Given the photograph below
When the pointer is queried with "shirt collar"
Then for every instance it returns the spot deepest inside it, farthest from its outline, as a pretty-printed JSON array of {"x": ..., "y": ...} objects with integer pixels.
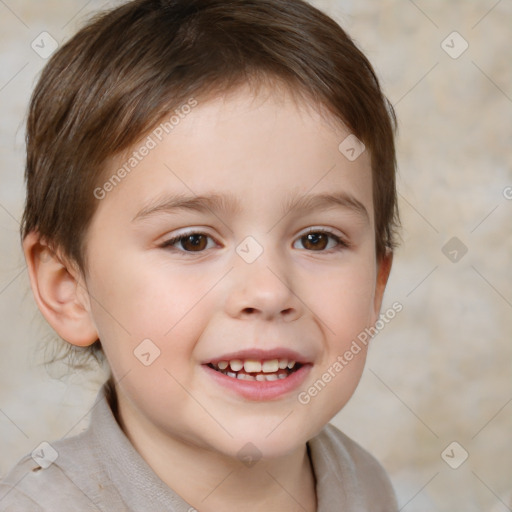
[{"x": 123, "y": 476}]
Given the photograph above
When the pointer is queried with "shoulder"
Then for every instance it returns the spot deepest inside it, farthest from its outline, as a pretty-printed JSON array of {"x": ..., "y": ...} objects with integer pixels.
[
  {"x": 30, "y": 488},
  {"x": 348, "y": 462},
  {"x": 67, "y": 474},
  {"x": 12, "y": 495},
  {"x": 360, "y": 459}
]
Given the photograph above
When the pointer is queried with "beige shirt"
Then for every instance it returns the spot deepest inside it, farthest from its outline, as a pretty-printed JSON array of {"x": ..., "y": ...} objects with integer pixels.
[{"x": 100, "y": 470}]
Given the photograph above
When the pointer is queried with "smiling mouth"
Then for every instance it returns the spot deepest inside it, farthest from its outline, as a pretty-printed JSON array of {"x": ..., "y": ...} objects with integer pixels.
[{"x": 254, "y": 370}]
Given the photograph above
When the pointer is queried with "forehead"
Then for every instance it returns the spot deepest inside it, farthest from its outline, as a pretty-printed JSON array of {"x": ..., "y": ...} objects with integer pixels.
[{"x": 262, "y": 150}]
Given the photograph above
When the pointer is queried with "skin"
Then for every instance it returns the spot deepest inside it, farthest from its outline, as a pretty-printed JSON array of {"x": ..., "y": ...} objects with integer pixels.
[{"x": 314, "y": 298}]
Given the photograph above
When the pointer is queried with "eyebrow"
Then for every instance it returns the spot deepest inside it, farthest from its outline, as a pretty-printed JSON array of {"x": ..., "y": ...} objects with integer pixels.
[{"x": 228, "y": 203}]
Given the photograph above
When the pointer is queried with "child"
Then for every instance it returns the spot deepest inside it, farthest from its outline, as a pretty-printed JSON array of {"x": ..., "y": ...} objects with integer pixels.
[{"x": 211, "y": 204}]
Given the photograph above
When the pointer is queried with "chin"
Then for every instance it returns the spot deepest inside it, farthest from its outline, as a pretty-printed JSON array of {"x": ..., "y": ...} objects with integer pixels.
[{"x": 259, "y": 441}]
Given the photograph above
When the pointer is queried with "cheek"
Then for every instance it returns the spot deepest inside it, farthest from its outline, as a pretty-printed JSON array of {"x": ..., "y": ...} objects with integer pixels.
[
  {"x": 140, "y": 301},
  {"x": 147, "y": 298},
  {"x": 342, "y": 300}
]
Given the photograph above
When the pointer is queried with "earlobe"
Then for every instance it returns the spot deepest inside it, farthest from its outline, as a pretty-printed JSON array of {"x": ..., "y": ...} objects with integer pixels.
[
  {"x": 60, "y": 296},
  {"x": 383, "y": 271}
]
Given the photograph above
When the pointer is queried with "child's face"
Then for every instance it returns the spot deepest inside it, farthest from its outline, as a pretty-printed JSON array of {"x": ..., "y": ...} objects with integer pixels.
[{"x": 214, "y": 297}]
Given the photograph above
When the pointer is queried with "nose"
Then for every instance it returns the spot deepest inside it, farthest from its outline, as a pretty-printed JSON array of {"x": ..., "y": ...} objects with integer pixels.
[{"x": 263, "y": 289}]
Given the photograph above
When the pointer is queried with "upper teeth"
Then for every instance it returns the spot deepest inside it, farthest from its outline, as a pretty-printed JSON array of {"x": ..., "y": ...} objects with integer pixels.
[
  {"x": 254, "y": 366},
  {"x": 236, "y": 365}
]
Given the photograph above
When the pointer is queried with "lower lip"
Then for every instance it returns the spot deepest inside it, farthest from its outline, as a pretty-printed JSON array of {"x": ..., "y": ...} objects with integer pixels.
[{"x": 261, "y": 390}]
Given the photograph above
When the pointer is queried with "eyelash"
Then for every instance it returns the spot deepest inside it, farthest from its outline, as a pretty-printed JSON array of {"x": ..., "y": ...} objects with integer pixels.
[{"x": 341, "y": 244}]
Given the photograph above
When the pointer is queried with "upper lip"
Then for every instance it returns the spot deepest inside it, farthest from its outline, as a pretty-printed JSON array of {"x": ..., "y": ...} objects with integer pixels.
[{"x": 261, "y": 355}]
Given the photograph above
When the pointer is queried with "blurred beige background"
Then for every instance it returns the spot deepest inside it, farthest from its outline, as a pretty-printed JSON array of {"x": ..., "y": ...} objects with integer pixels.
[{"x": 440, "y": 372}]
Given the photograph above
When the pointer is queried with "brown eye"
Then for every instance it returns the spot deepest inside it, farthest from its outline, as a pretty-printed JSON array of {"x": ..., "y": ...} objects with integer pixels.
[
  {"x": 322, "y": 241},
  {"x": 194, "y": 242},
  {"x": 315, "y": 241},
  {"x": 188, "y": 242}
]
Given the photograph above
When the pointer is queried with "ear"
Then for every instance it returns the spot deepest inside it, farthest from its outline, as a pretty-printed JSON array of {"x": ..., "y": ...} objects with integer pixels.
[
  {"x": 383, "y": 270},
  {"x": 59, "y": 292}
]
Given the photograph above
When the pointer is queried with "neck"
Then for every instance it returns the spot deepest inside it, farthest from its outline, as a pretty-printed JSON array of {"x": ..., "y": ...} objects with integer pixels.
[{"x": 210, "y": 481}]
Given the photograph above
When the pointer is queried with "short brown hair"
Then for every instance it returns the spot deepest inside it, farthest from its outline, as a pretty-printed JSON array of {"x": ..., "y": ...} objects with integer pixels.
[{"x": 128, "y": 67}]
